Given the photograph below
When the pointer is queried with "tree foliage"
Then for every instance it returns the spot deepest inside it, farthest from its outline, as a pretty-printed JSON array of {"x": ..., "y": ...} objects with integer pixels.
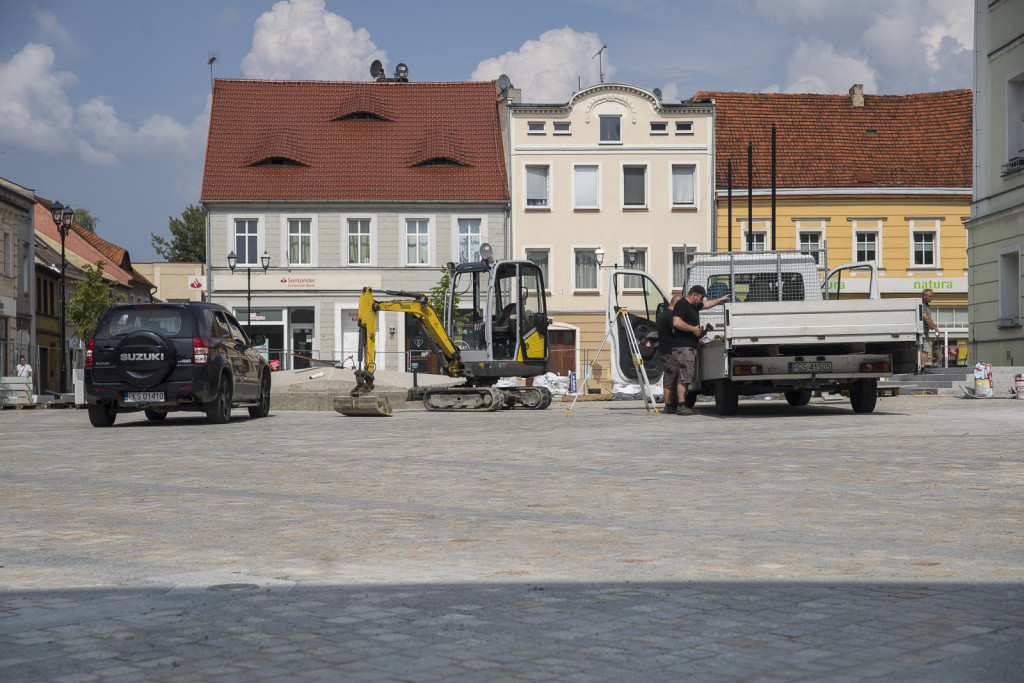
[
  {"x": 188, "y": 237},
  {"x": 86, "y": 219},
  {"x": 90, "y": 299}
]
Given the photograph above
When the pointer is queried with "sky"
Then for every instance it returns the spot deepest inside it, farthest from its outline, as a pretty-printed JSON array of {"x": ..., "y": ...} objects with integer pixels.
[{"x": 105, "y": 105}]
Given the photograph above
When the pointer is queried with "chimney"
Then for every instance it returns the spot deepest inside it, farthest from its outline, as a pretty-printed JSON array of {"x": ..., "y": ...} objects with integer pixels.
[{"x": 857, "y": 95}]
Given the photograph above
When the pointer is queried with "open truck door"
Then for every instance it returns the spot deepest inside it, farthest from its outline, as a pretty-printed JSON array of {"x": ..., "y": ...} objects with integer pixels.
[{"x": 642, "y": 298}]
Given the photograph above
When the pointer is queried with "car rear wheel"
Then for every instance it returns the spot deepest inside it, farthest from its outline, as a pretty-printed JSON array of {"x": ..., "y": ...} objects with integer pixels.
[
  {"x": 262, "y": 407},
  {"x": 218, "y": 411},
  {"x": 864, "y": 395},
  {"x": 102, "y": 415},
  {"x": 800, "y": 397}
]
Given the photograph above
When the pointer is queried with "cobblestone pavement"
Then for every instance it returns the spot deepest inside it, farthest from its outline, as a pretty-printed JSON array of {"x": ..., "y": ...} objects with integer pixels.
[{"x": 783, "y": 544}]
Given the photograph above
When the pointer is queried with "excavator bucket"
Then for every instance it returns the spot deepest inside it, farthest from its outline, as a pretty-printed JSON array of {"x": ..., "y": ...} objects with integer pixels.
[{"x": 363, "y": 406}]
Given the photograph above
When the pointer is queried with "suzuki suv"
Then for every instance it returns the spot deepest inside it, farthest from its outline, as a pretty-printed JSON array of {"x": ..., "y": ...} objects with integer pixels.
[{"x": 161, "y": 358}]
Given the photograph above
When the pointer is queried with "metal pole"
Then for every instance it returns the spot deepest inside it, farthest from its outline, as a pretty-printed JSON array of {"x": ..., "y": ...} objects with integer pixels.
[
  {"x": 750, "y": 196},
  {"x": 773, "y": 187},
  {"x": 63, "y": 313},
  {"x": 728, "y": 182},
  {"x": 248, "y": 301}
]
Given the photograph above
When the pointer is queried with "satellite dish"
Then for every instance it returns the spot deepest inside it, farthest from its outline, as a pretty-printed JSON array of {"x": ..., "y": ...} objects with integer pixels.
[
  {"x": 485, "y": 251},
  {"x": 657, "y": 93},
  {"x": 401, "y": 71},
  {"x": 504, "y": 82},
  {"x": 376, "y": 69}
]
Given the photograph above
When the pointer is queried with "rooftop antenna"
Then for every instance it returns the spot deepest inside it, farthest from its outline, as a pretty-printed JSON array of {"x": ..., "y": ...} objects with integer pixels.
[
  {"x": 209, "y": 62},
  {"x": 600, "y": 68}
]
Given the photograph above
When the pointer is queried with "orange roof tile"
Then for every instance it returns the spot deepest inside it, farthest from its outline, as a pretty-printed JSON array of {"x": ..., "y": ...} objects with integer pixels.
[
  {"x": 822, "y": 141},
  {"x": 353, "y": 160}
]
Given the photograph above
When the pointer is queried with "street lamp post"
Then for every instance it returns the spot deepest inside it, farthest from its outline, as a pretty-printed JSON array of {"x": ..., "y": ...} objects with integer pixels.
[
  {"x": 63, "y": 217},
  {"x": 265, "y": 263}
]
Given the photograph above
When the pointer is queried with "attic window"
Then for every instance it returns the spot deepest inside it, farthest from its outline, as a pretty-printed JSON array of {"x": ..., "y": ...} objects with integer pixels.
[
  {"x": 440, "y": 162},
  {"x": 361, "y": 116},
  {"x": 278, "y": 161}
]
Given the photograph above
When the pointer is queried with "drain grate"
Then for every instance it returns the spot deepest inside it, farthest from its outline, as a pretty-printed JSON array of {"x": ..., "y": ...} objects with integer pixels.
[{"x": 234, "y": 587}]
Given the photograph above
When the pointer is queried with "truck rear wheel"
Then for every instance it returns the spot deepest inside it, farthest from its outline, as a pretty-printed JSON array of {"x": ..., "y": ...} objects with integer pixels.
[
  {"x": 864, "y": 395},
  {"x": 800, "y": 397},
  {"x": 727, "y": 397}
]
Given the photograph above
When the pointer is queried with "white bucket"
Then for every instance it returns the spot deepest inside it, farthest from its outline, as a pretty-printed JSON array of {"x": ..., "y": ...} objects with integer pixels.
[
  {"x": 982, "y": 387},
  {"x": 1019, "y": 382}
]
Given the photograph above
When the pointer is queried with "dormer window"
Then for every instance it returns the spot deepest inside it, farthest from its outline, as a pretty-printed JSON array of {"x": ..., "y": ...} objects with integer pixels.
[
  {"x": 361, "y": 116},
  {"x": 439, "y": 162},
  {"x": 278, "y": 161}
]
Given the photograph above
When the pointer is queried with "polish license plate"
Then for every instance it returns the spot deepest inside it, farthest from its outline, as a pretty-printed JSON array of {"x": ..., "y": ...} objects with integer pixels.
[
  {"x": 143, "y": 396},
  {"x": 810, "y": 367}
]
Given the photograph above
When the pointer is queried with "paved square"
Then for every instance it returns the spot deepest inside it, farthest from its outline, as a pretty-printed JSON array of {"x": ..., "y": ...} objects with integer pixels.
[{"x": 608, "y": 544}]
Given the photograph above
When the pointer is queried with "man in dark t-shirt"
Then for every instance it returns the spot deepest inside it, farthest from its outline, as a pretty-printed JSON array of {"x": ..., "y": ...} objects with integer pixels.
[
  {"x": 686, "y": 320},
  {"x": 670, "y": 371}
]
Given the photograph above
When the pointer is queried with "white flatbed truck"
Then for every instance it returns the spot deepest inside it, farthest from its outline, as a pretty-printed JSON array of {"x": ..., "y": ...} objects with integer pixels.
[{"x": 779, "y": 333}]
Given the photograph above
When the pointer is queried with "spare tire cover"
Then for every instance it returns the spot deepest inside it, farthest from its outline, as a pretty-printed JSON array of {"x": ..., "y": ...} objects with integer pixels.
[{"x": 145, "y": 358}]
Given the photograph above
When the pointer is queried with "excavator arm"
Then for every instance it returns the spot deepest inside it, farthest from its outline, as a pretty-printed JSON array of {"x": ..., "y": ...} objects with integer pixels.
[{"x": 415, "y": 305}]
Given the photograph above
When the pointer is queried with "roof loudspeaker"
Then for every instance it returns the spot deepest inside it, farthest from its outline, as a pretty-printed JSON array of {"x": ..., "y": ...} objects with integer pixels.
[
  {"x": 402, "y": 72},
  {"x": 485, "y": 251},
  {"x": 376, "y": 69},
  {"x": 657, "y": 93}
]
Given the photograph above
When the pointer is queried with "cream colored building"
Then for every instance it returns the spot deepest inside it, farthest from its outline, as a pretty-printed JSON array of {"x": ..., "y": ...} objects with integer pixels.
[
  {"x": 995, "y": 233},
  {"x": 612, "y": 170},
  {"x": 175, "y": 281}
]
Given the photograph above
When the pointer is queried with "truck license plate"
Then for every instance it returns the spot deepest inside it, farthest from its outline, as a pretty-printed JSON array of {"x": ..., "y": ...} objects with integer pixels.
[
  {"x": 143, "y": 396},
  {"x": 810, "y": 367}
]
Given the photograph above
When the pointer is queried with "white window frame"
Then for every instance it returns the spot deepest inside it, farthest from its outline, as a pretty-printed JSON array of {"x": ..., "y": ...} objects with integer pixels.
[
  {"x": 671, "y": 187},
  {"x": 672, "y": 251},
  {"x": 345, "y": 218},
  {"x": 684, "y": 127},
  {"x": 659, "y": 127},
  {"x": 561, "y": 128},
  {"x": 1008, "y": 272},
  {"x": 1015, "y": 115},
  {"x": 536, "y": 128},
  {"x": 641, "y": 249},
  {"x": 261, "y": 242},
  {"x": 597, "y": 189},
  {"x": 457, "y": 235},
  {"x": 597, "y": 269},
  {"x": 924, "y": 226},
  {"x": 548, "y": 276},
  {"x": 868, "y": 225},
  {"x": 647, "y": 186},
  {"x": 431, "y": 220},
  {"x": 313, "y": 240},
  {"x": 600, "y": 118},
  {"x": 813, "y": 227},
  {"x": 526, "y": 188},
  {"x": 760, "y": 233}
]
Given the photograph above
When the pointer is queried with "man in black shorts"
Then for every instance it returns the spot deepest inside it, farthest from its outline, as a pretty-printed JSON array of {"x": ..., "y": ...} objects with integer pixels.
[
  {"x": 670, "y": 371},
  {"x": 686, "y": 319}
]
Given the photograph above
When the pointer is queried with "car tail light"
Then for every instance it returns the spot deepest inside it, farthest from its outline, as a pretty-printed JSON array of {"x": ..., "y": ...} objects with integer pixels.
[
  {"x": 88, "y": 353},
  {"x": 748, "y": 370},
  {"x": 874, "y": 367},
  {"x": 200, "y": 350}
]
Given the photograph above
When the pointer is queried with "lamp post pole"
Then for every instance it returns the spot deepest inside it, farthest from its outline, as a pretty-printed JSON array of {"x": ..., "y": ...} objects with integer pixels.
[
  {"x": 264, "y": 263},
  {"x": 63, "y": 217}
]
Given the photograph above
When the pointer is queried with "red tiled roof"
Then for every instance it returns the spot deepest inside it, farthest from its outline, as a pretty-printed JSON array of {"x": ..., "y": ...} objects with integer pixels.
[
  {"x": 822, "y": 141},
  {"x": 346, "y": 160}
]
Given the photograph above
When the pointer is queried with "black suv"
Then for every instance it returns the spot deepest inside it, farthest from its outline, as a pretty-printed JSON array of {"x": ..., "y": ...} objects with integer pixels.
[{"x": 166, "y": 357}]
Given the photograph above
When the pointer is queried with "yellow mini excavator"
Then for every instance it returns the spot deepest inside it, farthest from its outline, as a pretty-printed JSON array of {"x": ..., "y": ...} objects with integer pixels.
[{"x": 494, "y": 325}]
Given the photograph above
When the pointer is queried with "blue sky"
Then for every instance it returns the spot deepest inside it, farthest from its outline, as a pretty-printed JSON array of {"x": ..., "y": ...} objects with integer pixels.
[{"x": 105, "y": 104}]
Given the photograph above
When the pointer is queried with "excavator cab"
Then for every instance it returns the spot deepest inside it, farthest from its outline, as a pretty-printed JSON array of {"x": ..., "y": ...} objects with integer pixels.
[{"x": 496, "y": 315}]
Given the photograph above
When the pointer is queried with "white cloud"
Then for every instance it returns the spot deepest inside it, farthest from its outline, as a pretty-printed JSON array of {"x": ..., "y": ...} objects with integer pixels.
[
  {"x": 36, "y": 115},
  {"x": 300, "y": 39},
  {"x": 550, "y": 69},
  {"x": 901, "y": 45}
]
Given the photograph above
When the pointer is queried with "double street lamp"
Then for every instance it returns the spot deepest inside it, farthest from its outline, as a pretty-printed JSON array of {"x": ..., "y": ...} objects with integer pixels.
[
  {"x": 232, "y": 262},
  {"x": 63, "y": 217},
  {"x": 630, "y": 257}
]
